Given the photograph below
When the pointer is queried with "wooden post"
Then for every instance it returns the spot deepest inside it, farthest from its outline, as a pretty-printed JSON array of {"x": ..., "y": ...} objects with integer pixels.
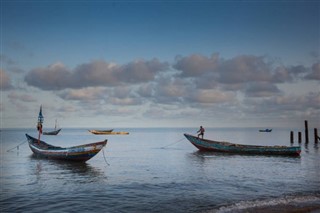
[
  {"x": 299, "y": 137},
  {"x": 291, "y": 137},
  {"x": 306, "y": 131},
  {"x": 316, "y": 135}
]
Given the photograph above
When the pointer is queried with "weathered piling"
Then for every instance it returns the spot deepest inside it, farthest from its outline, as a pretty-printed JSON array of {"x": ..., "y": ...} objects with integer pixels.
[
  {"x": 291, "y": 137},
  {"x": 299, "y": 137},
  {"x": 316, "y": 137},
  {"x": 306, "y": 131}
]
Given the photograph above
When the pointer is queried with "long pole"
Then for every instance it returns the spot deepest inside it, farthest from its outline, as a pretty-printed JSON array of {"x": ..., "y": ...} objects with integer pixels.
[
  {"x": 306, "y": 131},
  {"x": 39, "y": 135}
]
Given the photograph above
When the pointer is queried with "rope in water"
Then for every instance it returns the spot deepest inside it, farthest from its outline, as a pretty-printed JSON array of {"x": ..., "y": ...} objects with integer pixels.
[
  {"x": 105, "y": 157},
  {"x": 172, "y": 143},
  {"x": 17, "y": 146}
]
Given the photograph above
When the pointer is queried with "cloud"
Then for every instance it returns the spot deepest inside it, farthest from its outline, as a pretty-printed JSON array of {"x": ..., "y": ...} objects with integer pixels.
[
  {"x": 231, "y": 74},
  {"x": 96, "y": 73},
  {"x": 281, "y": 75},
  {"x": 85, "y": 94},
  {"x": 195, "y": 65},
  {"x": 300, "y": 103},
  {"x": 124, "y": 96},
  {"x": 53, "y": 77},
  {"x": 211, "y": 96},
  {"x": 21, "y": 97},
  {"x": 140, "y": 71},
  {"x": 99, "y": 95},
  {"x": 244, "y": 68},
  {"x": 254, "y": 76},
  {"x": 125, "y": 101},
  {"x": 315, "y": 74},
  {"x": 261, "y": 89},
  {"x": 146, "y": 90},
  {"x": 211, "y": 86},
  {"x": 288, "y": 104},
  {"x": 5, "y": 81},
  {"x": 168, "y": 90}
]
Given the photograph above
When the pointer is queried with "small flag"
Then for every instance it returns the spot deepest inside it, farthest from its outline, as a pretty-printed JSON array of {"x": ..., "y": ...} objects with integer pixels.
[{"x": 40, "y": 120}]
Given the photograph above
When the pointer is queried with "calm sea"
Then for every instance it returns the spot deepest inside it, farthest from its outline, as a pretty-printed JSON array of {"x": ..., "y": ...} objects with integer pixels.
[{"x": 158, "y": 170}]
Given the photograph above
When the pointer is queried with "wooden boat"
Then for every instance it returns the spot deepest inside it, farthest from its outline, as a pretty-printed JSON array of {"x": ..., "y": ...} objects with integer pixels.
[
  {"x": 54, "y": 132},
  {"x": 80, "y": 153},
  {"x": 117, "y": 133},
  {"x": 100, "y": 132},
  {"x": 265, "y": 130},
  {"x": 107, "y": 132},
  {"x": 216, "y": 146}
]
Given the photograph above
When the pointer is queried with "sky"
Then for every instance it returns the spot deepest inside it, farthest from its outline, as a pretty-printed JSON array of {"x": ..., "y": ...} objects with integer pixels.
[{"x": 159, "y": 63}]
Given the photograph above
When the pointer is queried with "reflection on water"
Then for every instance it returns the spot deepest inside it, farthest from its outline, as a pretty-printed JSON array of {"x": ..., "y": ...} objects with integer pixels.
[
  {"x": 204, "y": 154},
  {"x": 64, "y": 170}
]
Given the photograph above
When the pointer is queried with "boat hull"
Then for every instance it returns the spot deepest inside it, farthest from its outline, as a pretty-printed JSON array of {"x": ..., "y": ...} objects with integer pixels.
[
  {"x": 216, "y": 146},
  {"x": 80, "y": 153},
  {"x": 107, "y": 132},
  {"x": 100, "y": 132},
  {"x": 265, "y": 130}
]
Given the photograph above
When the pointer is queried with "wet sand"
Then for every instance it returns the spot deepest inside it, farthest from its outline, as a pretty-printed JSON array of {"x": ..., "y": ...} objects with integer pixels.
[{"x": 284, "y": 209}]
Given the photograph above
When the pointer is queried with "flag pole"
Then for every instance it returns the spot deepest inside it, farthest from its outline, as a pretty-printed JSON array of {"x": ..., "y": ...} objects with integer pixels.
[
  {"x": 39, "y": 137},
  {"x": 39, "y": 125}
]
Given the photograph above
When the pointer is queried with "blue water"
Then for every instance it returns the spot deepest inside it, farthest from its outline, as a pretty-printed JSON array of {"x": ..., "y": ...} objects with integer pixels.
[{"x": 156, "y": 170}]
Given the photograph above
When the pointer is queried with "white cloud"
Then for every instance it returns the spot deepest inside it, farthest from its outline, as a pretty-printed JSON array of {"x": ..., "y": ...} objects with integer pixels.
[
  {"x": 195, "y": 65},
  {"x": 245, "y": 86},
  {"x": 96, "y": 73},
  {"x": 5, "y": 81},
  {"x": 212, "y": 96},
  {"x": 315, "y": 72}
]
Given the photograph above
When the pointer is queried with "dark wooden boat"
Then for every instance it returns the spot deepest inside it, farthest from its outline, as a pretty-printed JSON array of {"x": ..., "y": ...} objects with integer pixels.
[
  {"x": 80, "y": 153},
  {"x": 216, "y": 146},
  {"x": 265, "y": 130},
  {"x": 55, "y": 132},
  {"x": 100, "y": 132}
]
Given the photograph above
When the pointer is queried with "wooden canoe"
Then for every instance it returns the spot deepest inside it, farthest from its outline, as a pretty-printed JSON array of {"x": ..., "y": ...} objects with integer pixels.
[
  {"x": 217, "y": 146},
  {"x": 100, "y": 132},
  {"x": 79, "y": 153},
  {"x": 55, "y": 132},
  {"x": 108, "y": 133}
]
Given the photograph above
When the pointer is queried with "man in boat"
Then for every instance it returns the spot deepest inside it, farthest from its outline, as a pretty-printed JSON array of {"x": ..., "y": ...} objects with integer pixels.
[{"x": 201, "y": 132}]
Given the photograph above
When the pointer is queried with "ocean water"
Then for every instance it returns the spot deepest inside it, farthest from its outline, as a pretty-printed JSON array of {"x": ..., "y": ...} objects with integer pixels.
[{"x": 158, "y": 170}]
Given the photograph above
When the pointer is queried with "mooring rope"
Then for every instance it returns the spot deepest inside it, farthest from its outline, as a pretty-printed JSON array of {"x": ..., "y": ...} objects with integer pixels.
[
  {"x": 17, "y": 146},
  {"x": 105, "y": 157},
  {"x": 172, "y": 143}
]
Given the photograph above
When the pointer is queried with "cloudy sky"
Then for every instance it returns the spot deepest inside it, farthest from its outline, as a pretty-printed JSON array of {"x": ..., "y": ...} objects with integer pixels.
[{"x": 160, "y": 64}]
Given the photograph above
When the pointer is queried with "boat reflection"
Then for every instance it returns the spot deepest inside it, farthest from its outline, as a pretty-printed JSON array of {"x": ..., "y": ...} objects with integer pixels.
[
  {"x": 204, "y": 154},
  {"x": 83, "y": 172}
]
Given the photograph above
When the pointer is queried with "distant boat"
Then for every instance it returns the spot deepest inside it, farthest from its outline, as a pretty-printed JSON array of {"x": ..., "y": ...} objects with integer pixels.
[
  {"x": 107, "y": 132},
  {"x": 265, "y": 130},
  {"x": 98, "y": 132},
  {"x": 54, "y": 132},
  {"x": 80, "y": 153},
  {"x": 216, "y": 146}
]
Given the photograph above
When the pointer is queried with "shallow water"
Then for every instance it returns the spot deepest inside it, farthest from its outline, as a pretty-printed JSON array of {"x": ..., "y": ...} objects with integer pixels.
[{"x": 157, "y": 170}]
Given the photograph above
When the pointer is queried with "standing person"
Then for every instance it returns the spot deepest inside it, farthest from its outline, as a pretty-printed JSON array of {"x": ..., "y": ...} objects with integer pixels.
[{"x": 201, "y": 132}]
